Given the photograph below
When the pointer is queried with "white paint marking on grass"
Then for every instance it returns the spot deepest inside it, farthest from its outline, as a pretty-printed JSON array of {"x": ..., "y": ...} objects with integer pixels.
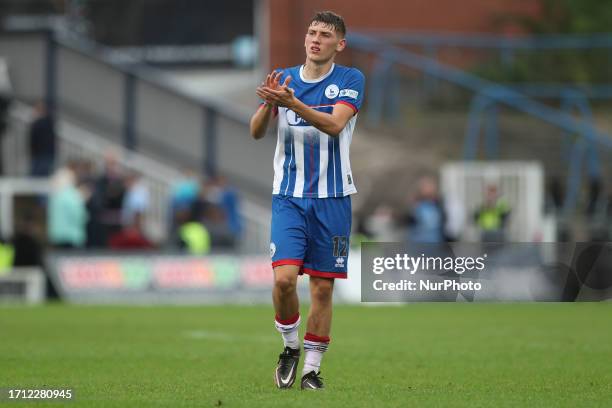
[{"x": 225, "y": 336}]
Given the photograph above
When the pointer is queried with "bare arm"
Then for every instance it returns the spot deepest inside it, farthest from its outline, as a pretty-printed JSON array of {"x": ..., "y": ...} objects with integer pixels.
[
  {"x": 260, "y": 121},
  {"x": 332, "y": 124}
]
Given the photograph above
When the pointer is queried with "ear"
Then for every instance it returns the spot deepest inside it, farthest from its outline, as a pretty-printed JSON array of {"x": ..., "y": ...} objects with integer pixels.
[{"x": 341, "y": 45}]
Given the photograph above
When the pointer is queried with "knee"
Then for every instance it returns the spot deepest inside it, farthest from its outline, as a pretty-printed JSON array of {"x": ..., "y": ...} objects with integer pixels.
[
  {"x": 285, "y": 284},
  {"x": 322, "y": 290}
]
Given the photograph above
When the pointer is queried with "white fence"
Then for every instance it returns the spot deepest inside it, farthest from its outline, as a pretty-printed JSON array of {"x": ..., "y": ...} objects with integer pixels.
[{"x": 520, "y": 184}]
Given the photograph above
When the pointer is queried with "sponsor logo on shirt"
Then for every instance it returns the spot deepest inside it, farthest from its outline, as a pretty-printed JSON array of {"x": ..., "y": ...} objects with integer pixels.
[
  {"x": 293, "y": 119},
  {"x": 351, "y": 93}
]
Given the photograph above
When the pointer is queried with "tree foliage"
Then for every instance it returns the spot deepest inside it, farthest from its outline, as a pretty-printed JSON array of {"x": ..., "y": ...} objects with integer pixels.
[{"x": 575, "y": 17}]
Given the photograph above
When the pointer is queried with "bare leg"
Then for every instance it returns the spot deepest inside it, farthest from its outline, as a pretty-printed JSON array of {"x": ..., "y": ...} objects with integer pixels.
[
  {"x": 320, "y": 315},
  {"x": 284, "y": 295}
]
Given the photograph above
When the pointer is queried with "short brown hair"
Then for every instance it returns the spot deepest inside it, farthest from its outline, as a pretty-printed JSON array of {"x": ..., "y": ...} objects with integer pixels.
[{"x": 331, "y": 19}]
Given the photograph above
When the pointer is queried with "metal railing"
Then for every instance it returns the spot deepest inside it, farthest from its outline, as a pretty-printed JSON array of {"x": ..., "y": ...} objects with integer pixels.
[
  {"x": 432, "y": 42},
  {"x": 139, "y": 107},
  {"x": 487, "y": 93},
  {"x": 77, "y": 142}
]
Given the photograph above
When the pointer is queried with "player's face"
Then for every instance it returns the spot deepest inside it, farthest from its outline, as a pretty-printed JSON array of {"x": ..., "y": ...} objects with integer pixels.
[{"x": 322, "y": 42}]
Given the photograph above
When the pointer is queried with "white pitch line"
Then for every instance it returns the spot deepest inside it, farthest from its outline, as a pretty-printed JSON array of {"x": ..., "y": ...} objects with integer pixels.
[{"x": 224, "y": 336}]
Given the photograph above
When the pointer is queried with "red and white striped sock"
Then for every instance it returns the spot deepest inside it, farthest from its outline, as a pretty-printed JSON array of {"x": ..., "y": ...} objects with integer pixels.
[
  {"x": 288, "y": 328},
  {"x": 314, "y": 346}
]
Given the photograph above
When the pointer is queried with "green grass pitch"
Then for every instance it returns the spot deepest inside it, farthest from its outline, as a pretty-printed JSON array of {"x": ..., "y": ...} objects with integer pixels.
[{"x": 419, "y": 355}]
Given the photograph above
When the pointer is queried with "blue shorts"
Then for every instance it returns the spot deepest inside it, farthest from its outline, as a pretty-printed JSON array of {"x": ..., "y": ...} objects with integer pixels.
[{"x": 312, "y": 233}]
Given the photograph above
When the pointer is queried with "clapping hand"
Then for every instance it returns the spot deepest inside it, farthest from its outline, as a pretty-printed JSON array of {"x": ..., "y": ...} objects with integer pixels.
[{"x": 275, "y": 94}]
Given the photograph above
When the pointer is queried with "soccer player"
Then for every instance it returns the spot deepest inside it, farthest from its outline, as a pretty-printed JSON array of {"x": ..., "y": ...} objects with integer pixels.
[{"x": 316, "y": 104}]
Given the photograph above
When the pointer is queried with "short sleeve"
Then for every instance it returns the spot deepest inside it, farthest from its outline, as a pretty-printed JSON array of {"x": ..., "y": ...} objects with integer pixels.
[{"x": 351, "y": 92}]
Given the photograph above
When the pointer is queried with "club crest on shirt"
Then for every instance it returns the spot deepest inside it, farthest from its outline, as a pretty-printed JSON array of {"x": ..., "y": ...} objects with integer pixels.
[{"x": 332, "y": 91}]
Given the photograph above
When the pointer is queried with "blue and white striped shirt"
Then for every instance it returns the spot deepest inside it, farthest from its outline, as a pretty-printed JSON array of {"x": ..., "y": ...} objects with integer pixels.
[{"x": 308, "y": 162}]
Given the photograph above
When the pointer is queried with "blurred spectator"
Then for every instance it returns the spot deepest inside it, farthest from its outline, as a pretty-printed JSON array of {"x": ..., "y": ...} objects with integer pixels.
[
  {"x": 131, "y": 236},
  {"x": 106, "y": 203},
  {"x": 227, "y": 198},
  {"x": 492, "y": 216},
  {"x": 184, "y": 195},
  {"x": 426, "y": 219},
  {"x": 217, "y": 209},
  {"x": 7, "y": 256},
  {"x": 136, "y": 200},
  {"x": 193, "y": 236},
  {"x": 86, "y": 176},
  {"x": 67, "y": 215},
  {"x": 380, "y": 224},
  {"x": 185, "y": 192},
  {"x": 85, "y": 173},
  {"x": 42, "y": 142}
]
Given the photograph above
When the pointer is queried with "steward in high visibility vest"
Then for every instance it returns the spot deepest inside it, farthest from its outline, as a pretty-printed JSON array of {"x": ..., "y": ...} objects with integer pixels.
[
  {"x": 7, "y": 255},
  {"x": 195, "y": 237},
  {"x": 492, "y": 216}
]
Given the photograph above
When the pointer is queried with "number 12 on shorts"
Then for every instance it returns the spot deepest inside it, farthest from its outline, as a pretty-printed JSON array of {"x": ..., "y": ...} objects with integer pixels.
[{"x": 340, "y": 246}]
